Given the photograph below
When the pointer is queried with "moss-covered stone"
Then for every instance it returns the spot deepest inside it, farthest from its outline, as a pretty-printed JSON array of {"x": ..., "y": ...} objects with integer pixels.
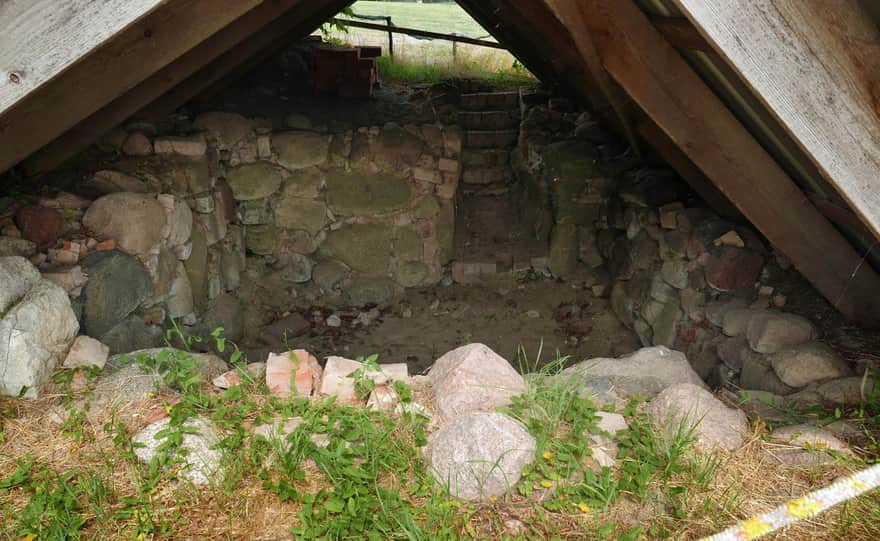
[
  {"x": 197, "y": 266},
  {"x": 329, "y": 273},
  {"x": 298, "y": 150},
  {"x": 118, "y": 284},
  {"x": 299, "y": 213},
  {"x": 411, "y": 273},
  {"x": 426, "y": 208},
  {"x": 444, "y": 230},
  {"x": 365, "y": 248},
  {"x": 261, "y": 239},
  {"x": 253, "y": 181},
  {"x": 190, "y": 177},
  {"x": 408, "y": 245},
  {"x": 571, "y": 160},
  {"x": 396, "y": 146},
  {"x": 354, "y": 194},
  {"x": 372, "y": 290},
  {"x": 562, "y": 259},
  {"x": 303, "y": 183}
]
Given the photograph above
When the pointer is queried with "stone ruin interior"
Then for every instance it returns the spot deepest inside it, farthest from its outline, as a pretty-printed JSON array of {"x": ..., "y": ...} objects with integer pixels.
[{"x": 409, "y": 223}]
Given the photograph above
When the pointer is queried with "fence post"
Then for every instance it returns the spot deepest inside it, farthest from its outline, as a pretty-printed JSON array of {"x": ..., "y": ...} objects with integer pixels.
[{"x": 390, "y": 38}]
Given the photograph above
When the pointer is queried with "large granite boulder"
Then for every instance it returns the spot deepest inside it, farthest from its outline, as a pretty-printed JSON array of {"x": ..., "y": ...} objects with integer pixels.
[
  {"x": 134, "y": 220},
  {"x": 118, "y": 284},
  {"x": 37, "y": 326},
  {"x": 479, "y": 455},
  {"x": 644, "y": 373},
  {"x": 473, "y": 378}
]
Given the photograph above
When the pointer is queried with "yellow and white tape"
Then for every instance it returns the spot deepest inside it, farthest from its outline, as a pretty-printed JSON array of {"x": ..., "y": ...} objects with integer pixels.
[{"x": 803, "y": 507}]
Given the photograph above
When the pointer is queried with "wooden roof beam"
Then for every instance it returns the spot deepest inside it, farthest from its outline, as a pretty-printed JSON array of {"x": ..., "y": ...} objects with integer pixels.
[
  {"x": 190, "y": 74},
  {"x": 816, "y": 67},
  {"x": 652, "y": 72},
  {"x": 39, "y": 39},
  {"x": 681, "y": 34},
  {"x": 109, "y": 69}
]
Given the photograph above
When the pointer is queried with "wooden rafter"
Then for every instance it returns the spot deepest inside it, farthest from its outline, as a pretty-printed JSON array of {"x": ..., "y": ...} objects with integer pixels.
[
  {"x": 39, "y": 39},
  {"x": 103, "y": 73},
  {"x": 637, "y": 56},
  {"x": 681, "y": 34},
  {"x": 190, "y": 74},
  {"x": 816, "y": 67}
]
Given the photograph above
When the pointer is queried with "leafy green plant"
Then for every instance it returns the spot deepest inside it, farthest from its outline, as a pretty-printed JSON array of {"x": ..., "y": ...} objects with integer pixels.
[
  {"x": 59, "y": 501},
  {"x": 75, "y": 427},
  {"x": 363, "y": 377}
]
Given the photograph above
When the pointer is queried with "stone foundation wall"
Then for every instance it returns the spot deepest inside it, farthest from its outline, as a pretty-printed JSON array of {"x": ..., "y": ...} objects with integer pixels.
[
  {"x": 235, "y": 223},
  {"x": 676, "y": 273}
]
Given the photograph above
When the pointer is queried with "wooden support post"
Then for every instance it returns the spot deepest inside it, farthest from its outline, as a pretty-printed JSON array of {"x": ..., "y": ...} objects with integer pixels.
[
  {"x": 390, "y": 38},
  {"x": 108, "y": 70},
  {"x": 660, "y": 81},
  {"x": 221, "y": 53}
]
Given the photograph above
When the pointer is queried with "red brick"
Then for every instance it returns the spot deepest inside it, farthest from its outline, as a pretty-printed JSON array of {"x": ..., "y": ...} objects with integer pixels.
[
  {"x": 732, "y": 269},
  {"x": 39, "y": 225}
]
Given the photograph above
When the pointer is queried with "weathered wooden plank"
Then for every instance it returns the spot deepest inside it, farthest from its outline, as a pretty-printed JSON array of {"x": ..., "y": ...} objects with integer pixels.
[
  {"x": 39, "y": 39},
  {"x": 660, "y": 81},
  {"x": 114, "y": 68},
  {"x": 816, "y": 66},
  {"x": 231, "y": 45},
  {"x": 681, "y": 34}
]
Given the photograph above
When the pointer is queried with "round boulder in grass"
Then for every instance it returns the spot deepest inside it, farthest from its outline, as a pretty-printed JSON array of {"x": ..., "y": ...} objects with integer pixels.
[
  {"x": 201, "y": 459},
  {"x": 473, "y": 378},
  {"x": 644, "y": 373},
  {"x": 684, "y": 407},
  {"x": 479, "y": 455}
]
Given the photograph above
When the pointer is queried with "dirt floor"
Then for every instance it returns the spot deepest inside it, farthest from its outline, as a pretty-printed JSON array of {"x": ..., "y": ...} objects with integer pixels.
[{"x": 537, "y": 314}]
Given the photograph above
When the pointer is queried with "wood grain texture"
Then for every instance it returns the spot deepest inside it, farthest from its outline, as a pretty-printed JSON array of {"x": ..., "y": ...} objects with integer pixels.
[
  {"x": 231, "y": 45},
  {"x": 39, "y": 39},
  {"x": 681, "y": 34},
  {"x": 660, "y": 81},
  {"x": 114, "y": 68},
  {"x": 816, "y": 67}
]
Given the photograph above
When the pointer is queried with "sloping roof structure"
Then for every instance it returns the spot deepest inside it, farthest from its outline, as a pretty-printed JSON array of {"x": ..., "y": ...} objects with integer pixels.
[{"x": 771, "y": 106}]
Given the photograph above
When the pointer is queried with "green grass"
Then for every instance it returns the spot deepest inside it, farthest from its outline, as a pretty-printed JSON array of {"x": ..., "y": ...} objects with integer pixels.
[
  {"x": 445, "y": 18},
  {"x": 418, "y": 72},
  {"x": 368, "y": 481},
  {"x": 418, "y": 60}
]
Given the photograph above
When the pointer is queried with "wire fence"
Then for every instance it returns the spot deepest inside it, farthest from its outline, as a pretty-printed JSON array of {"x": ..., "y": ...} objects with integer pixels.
[{"x": 390, "y": 24}]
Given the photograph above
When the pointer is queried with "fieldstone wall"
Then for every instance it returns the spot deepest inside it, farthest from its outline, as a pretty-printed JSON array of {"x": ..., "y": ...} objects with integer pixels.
[
  {"x": 235, "y": 223},
  {"x": 676, "y": 273}
]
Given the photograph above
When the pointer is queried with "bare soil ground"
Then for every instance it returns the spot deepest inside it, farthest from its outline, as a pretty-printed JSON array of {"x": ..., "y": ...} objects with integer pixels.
[{"x": 539, "y": 314}]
